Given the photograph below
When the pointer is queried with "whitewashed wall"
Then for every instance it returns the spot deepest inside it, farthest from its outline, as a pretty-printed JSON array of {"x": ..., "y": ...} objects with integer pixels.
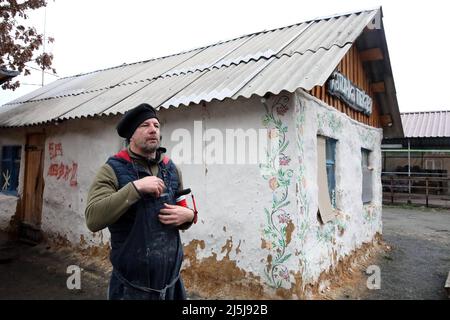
[
  {"x": 231, "y": 198},
  {"x": 322, "y": 246},
  {"x": 264, "y": 218},
  {"x": 75, "y": 150}
]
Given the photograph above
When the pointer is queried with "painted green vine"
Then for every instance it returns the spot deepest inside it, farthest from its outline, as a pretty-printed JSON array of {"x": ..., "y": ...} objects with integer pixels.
[
  {"x": 367, "y": 137},
  {"x": 330, "y": 120},
  {"x": 302, "y": 184},
  {"x": 369, "y": 214},
  {"x": 279, "y": 178}
]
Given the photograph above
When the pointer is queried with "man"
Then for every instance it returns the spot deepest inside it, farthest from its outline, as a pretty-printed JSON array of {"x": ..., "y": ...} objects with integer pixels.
[{"x": 134, "y": 195}]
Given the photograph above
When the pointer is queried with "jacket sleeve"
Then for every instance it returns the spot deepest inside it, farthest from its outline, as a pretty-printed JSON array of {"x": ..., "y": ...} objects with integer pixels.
[{"x": 105, "y": 203}]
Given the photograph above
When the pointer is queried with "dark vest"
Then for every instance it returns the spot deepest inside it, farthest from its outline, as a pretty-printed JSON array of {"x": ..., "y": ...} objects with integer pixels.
[{"x": 144, "y": 252}]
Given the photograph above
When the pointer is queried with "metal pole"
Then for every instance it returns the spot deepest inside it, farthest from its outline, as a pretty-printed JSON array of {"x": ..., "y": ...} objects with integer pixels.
[
  {"x": 392, "y": 189},
  {"x": 43, "y": 46},
  {"x": 409, "y": 172}
]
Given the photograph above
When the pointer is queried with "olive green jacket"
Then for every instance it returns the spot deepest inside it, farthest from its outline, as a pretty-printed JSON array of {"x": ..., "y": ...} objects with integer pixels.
[{"x": 106, "y": 203}]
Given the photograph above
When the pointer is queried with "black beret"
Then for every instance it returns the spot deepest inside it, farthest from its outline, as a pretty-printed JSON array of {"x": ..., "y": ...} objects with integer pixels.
[{"x": 133, "y": 118}]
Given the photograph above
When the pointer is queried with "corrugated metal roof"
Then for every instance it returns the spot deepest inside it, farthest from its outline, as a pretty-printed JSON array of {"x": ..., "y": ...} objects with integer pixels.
[
  {"x": 298, "y": 56},
  {"x": 427, "y": 124}
]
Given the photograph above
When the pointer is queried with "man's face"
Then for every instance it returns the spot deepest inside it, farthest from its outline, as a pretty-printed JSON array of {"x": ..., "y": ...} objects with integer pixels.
[{"x": 147, "y": 137}]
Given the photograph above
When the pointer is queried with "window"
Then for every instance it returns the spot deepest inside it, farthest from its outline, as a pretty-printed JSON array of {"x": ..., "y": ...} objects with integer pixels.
[
  {"x": 366, "y": 176},
  {"x": 9, "y": 169},
  {"x": 331, "y": 167},
  {"x": 326, "y": 149}
]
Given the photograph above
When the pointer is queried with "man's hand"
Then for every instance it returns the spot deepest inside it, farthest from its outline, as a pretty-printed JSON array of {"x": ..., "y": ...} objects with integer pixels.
[
  {"x": 150, "y": 184},
  {"x": 175, "y": 215}
]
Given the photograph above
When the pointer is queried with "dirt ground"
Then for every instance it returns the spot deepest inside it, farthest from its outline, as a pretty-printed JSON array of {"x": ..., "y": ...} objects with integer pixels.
[
  {"x": 418, "y": 263},
  {"x": 41, "y": 273},
  {"x": 415, "y": 267}
]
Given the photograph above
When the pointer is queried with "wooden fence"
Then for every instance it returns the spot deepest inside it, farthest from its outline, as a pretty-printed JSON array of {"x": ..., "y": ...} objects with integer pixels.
[{"x": 424, "y": 190}]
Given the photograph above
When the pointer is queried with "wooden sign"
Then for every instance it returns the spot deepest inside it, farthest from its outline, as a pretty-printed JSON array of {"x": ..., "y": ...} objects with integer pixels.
[{"x": 342, "y": 88}]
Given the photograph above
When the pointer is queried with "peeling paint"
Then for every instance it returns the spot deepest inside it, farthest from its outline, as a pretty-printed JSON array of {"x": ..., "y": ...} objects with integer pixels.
[
  {"x": 289, "y": 230},
  {"x": 264, "y": 244},
  {"x": 222, "y": 279},
  {"x": 227, "y": 247},
  {"x": 211, "y": 278},
  {"x": 237, "y": 248},
  {"x": 269, "y": 262}
]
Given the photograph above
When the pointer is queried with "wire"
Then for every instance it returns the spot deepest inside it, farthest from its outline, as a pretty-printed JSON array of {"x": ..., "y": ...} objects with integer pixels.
[{"x": 52, "y": 74}]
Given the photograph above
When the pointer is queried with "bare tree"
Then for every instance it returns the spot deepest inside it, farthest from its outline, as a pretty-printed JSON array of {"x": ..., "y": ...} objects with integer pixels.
[{"x": 20, "y": 44}]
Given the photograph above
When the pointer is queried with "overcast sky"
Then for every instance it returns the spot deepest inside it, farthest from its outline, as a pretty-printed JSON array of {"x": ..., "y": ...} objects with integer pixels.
[{"x": 96, "y": 34}]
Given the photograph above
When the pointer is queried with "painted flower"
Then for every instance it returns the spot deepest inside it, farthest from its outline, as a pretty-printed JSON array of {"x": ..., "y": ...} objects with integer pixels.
[
  {"x": 282, "y": 109},
  {"x": 283, "y": 273},
  {"x": 273, "y": 183},
  {"x": 284, "y": 160},
  {"x": 273, "y": 133},
  {"x": 283, "y": 218}
]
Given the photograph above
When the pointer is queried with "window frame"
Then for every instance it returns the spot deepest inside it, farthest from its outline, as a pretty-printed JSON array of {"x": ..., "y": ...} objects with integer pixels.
[
  {"x": 10, "y": 157},
  {"x": 366, "y": 155},
  {"x": 330, "y": 163}
]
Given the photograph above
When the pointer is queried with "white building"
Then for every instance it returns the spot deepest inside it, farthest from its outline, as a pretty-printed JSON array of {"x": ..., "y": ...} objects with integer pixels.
[{"x": 297, "y": 193}]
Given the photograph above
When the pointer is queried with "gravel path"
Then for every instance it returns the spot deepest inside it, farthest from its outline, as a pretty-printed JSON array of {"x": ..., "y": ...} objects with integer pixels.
[{"x": 419, "y": 262}]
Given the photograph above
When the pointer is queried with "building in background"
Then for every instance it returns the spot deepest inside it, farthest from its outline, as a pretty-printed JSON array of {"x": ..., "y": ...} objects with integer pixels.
[{"x": 416, "y": 168}]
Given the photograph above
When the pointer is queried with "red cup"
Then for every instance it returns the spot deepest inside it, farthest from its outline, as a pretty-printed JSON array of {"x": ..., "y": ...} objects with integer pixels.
[{"x": 181, "y": 201}]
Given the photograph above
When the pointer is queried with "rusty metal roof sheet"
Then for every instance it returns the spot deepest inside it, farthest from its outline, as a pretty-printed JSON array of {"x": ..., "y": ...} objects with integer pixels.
[
  {"x": 297, "y": 56},
  {"x": 426, "y": 124}
]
